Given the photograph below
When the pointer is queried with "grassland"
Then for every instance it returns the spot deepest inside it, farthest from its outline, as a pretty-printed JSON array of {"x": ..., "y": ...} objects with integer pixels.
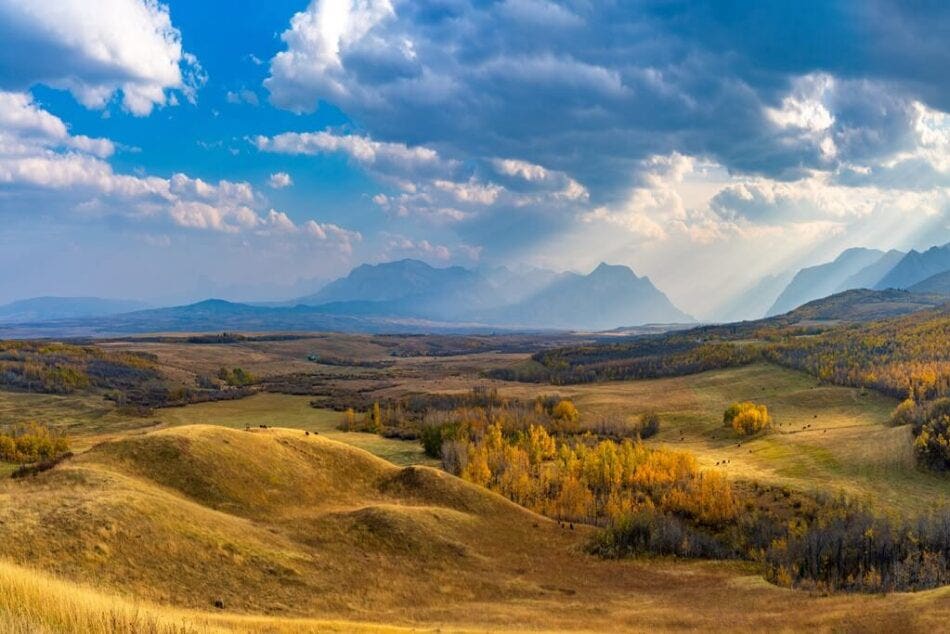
[
  {"x": 298, "y": 533},
  {"x": 835, "y": 439},
  {"x": 827, "y": 438},
  {"x": 282, "y": 410},
  {"x": 315, "y": 535}
]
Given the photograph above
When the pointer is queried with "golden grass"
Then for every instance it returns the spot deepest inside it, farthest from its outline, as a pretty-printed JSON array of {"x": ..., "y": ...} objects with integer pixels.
[
  {"x": 283, "y": 410},
  {"x": 33, "y": 602},
  {"x": 846, "y": 445},
  {"x": 301, "y": 533}
]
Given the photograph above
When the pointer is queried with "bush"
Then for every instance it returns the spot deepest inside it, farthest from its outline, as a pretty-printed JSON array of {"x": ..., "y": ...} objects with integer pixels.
[
  {"x": 237, "y": 377},
  {"x": 649, "y": 425},
  {"x": 565, "y": 411},
  {"x": 747, "y": 418},
  {"x": 650, "y": 532},
  {"x": 31, "y": 443},
  {"x": 905, "y": 413},
  {"x": 932, "y": 444},
  {"x": 431, "y": 438}
]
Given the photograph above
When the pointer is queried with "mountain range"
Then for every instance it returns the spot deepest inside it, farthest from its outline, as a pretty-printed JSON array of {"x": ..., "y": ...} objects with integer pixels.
[
  {"x": 403, "y": 296},
  {"x": 857, "y": 268},
  {"x": 46, "y": 308},
  {"x": 824, "y": 279},
  {"x": 610, "y": 296},
  {"x": 916, "y": 267}
]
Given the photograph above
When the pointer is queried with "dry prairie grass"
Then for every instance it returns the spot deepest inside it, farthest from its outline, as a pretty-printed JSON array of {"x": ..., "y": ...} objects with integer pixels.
[{"x": 299, "y": 534}]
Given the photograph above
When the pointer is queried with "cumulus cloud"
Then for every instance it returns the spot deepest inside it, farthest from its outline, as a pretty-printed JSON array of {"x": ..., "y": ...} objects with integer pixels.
[
  {"x": 280, "y": 180},
  {"x": 385, "y": 157},
  {"x": 592, "y": 89},
  {"x": 38, "y": 154},
  {"x": 97, "y": 49},
  {"x": 402, "y": 246},
  {"x": 334, "y": 234}
]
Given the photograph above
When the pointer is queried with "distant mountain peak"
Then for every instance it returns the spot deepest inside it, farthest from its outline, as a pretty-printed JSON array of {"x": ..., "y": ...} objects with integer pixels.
[
  {"x": 916, "y": 267},
  {"x": 617, "y": 270},
  {"x": 821, "y": 280},
  {"x": 609, "y": 296}
]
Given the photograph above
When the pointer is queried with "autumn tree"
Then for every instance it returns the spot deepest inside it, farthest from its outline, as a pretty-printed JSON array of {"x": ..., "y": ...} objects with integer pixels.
[{"x": 747, "y": 418}]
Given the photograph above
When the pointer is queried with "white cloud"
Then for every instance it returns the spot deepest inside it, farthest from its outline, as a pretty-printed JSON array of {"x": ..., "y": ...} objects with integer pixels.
[
  {"x": 96, "y": 49},
  {"x": 21, "y": 118},
  {"x": 316, "y": 40},
  {"x": 242, "y": 96},
  {"x": 363, "y": 150},
  {"x": 805, "y": 111},
  {"x": 563, "y": 186},
  {"x": 662, "y": 207},
  {"x": 401, "y": 246},
  {"x": 280, "y": 180},
  {"x": 331, "y": 233},
  {"x": 38, "y": 153},
  {"x": 470, "y": 191}
]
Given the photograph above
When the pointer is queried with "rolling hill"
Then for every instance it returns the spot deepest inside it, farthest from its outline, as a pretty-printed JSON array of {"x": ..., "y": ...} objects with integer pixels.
[
  {"x": 860, "y": 305},
  {"x": 219, "y": 530},
  {"x": 215, "y": 315}
]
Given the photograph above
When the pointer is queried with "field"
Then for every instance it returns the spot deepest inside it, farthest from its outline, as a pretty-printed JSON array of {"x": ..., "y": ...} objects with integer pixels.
[
  {"x": 275, "y": 522},
  {"x": 183, "y": 507}
]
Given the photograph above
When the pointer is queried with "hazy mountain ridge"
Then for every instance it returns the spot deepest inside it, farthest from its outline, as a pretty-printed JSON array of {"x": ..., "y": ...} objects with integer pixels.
[
  {"x": 610, "y": 296},
  {"x": 48, "y": 308},
  {"x": 755, "y": 301},
  {"x": 818, "y": 281},
  {"x": 869, "y": 276},
  {"x": 938, "y": 284},
  {"x": 916, "y": 267}
]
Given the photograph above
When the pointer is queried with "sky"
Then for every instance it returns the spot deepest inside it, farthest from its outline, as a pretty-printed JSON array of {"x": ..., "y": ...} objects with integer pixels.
[{"x": 249, "y": 150}]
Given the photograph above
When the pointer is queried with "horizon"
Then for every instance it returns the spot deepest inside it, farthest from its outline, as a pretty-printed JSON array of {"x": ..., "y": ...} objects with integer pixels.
[{"x": 262, "y": 155}]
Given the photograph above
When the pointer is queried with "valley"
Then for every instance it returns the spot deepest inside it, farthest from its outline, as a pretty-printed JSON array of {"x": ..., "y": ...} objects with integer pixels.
[{"x": 285, "y": 512}]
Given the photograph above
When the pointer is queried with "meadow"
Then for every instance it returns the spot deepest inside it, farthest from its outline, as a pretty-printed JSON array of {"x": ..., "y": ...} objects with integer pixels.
[{"x": 176, "y": 509}]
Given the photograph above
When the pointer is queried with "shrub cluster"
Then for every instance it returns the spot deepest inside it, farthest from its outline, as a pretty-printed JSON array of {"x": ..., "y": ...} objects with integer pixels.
[
  {"x": 31, "y": 443},
  {"x": 931, "y": 427},
  {"x": 747, "y": 418},
  {"x": 236, "y": 377}
]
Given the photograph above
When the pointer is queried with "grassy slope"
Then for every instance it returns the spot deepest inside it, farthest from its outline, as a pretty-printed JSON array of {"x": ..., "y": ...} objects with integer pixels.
[
  {"x": 291, "y": 411},
  {"x": 848, "y": 447},
  {"x": 296, "y": 527},
  {"x": 90, "y": 419}
]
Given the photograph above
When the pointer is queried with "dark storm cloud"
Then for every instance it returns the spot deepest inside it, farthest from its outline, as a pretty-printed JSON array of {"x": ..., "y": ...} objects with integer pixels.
[{"x": 592, "y": 88}]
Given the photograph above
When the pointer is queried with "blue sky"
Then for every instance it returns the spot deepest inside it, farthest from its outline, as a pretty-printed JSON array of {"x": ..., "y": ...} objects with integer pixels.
[{"x": 169, "y": 151}]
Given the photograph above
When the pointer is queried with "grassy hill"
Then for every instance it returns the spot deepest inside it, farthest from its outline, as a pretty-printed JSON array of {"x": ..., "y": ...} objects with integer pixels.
[{"x": 285, "y": 528}]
